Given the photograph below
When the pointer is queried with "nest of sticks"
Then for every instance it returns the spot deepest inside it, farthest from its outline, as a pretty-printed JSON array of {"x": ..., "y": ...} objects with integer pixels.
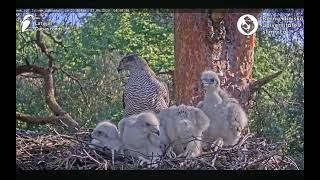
[{"x": 65, "y": 152}]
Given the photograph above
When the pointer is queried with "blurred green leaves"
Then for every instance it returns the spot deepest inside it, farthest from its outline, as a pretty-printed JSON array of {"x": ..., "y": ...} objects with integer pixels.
[
  {"x": 93, "y": 53},
  {"x": 278, "y": 110}
]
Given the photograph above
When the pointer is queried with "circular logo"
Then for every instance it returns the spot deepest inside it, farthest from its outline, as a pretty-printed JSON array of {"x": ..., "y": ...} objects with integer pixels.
[
  {"x": 247, "y": 24},
  {"x": 26, "y": 22}
]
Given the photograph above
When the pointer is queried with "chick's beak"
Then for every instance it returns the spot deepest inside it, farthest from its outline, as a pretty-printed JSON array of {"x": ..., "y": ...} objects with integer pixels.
[
  {"x": 155, "y": 131},
  {"x": 204, "y": 84},
  {"x": 201, "y": 85},
  {"x": 158, "y": 132}
]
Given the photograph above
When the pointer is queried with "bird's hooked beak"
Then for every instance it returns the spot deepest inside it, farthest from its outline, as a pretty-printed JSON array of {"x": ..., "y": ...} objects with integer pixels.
[
  {"x": 204, "y": 84},
  {"x": 121, "y": 66},
  {"x": 155, "y": 130}
]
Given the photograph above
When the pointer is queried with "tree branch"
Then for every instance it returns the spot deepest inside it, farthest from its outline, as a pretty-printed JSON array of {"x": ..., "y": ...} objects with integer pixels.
[
  {"x": 170, "y": 72},
  {"x": 267, "y": 92},
  {"x": 39, "y": 40},
  {"x": 78, "y": 82},
  {"x": 55, "y": 40},
  {"x": 53, "y": 104},
  {"x": 30, "y": 76},
  {"x": 37, "y": 120},
  {"x": 255, "y": 86},
  {"x": 62, "y": 116},
  {"x": 31, "y": 68},
  {"x": 65, "y": 118}
]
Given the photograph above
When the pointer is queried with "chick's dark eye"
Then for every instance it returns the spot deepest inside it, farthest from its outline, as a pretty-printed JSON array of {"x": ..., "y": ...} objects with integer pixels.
[
  {"x": 99, "y": 132},
  {"x": 211, "y": 80},
  {"x": 147, "y": 124}
]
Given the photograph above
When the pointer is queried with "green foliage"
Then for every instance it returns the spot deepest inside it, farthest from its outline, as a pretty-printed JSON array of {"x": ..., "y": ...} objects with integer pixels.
[
  {"x": 278, "y": 111},
  {"x": 91, "y": 55}
]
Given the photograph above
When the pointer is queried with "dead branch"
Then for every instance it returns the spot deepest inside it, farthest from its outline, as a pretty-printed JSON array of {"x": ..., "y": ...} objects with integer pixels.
[
  {"x": 259, "y": 161},
  {"x": 255, "y": 86},
  {"x": 47, "y": 151},
  {"x": 38, "y": 120},
  {"x": 46, "y": 73}
]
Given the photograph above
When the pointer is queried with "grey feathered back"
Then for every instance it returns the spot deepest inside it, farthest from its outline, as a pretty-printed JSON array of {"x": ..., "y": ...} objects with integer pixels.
[{"x": 143, "y": 90}]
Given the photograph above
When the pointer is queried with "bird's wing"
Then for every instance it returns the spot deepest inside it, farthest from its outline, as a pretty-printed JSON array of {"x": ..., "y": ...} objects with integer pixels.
[
  {"x": 163, "y": 136},
  {"x": 166, "y": 94},
  {"x": 184, "y": 128},
  {"x": 121, "y": 126},
  {"x": 237, "y": 116},
  {"x": 123, "y": 95},
  {"x": 200, "y": 104},
  {"x": 167, "y": 121},
  {"x": 202, "y": 121},
  {"x": 163, "y": 90},
  {"x": 127, "y": 122},
  {"x": 226, "y": 97},
  {"x": 191, "y": 146},
  {"x": 223, "y": 94}
]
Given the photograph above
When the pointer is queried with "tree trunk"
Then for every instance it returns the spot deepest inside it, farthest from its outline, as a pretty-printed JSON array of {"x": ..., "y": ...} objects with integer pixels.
[
  {"x": 211, "y": 40},
  {"x": 190, "y": 55}
]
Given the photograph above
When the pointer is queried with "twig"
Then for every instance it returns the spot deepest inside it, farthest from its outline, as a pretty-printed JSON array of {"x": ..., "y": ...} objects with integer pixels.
[
  {"x": 79, "y": 83},
  {"x": 255, "y": 162},
  {"x": 275, "y": 99},
  {"x": 91, "y": 157},
  {"x": 214, "y": 160},
  {"x": 60, "y": 152}
]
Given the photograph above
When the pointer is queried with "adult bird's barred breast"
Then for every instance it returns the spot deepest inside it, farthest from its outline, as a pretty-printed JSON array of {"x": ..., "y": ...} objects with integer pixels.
[{"x": 144, "y": 91}]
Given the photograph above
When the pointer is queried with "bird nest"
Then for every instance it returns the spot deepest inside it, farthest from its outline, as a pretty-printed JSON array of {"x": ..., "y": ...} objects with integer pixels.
[{"x": 56, "y": 152}]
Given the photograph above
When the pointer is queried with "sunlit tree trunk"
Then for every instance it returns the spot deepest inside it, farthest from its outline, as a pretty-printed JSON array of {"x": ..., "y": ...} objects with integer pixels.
[
  {"x": 211, "y": 40},
  {"x": 190, "y": 55}
]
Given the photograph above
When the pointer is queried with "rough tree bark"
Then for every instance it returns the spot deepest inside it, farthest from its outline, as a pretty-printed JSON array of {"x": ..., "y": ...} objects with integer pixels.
[
  {"x": 210, "y": 40},
  {"x": 190, "y": 54},
  {"x": 61, "y": 116}
]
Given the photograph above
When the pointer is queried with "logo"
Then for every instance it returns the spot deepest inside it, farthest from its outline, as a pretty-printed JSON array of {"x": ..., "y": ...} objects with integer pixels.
[
  {"x": 247, "y": 24},
  {"x": 26, "y": 22}
]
